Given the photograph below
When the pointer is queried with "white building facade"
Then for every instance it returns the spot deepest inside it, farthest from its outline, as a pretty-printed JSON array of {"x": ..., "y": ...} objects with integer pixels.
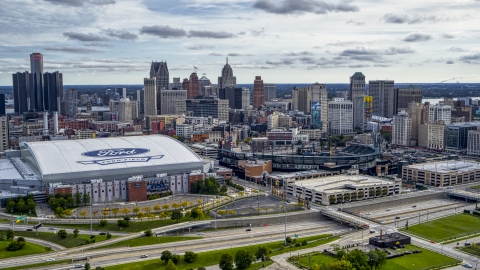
[
  {"x": 440, "y": 112},
  {"x": 402, "y": 128},
  {"x": 340, "y": 116}
]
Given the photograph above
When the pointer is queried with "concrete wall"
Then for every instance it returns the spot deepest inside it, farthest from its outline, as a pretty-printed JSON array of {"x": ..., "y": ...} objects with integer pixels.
[
  {"x": 267, "y": 219},
  {"x": 394, "y": 203}
]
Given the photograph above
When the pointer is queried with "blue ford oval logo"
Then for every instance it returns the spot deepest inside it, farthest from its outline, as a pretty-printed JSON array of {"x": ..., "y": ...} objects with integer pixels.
[{"x": 116, "y": 152}]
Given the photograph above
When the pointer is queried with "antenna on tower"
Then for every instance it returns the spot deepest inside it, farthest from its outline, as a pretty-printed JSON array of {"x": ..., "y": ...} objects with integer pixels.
[{"x": 227, "y": 60}]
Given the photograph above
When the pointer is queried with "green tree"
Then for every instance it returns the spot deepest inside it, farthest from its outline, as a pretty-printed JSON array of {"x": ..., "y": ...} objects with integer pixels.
[
  {"x": 141, "y": 216},
  {"x": 194, "y": 213},
  {"x": 115, "y": 211},
  {"x": 262, "y": 253},
  {"x": 175, "y": 258},
  {"x": 243, "y": 259},
  {"x": 103, "y": 223},
  {"x": 358, "y": 259},
  {"x": 226, "y": 262},
  {"x": 166, "y": 256},
  {"x": 190, "y": 256},
  {"x": 62, "y": 234},
  {"x": 342, "y": 265},
  {"x": 377, "y": 258},
  {"x": 10, "y": 206},
  {"x": 170, "y": 266},
  {"x": 10, "y": 234},
  {"x": 87, "y": 266},
  {"x": 85, "y": 199},
  {"x": 75, "y": 233},
  {"x": 148, "y": 233},
  {"x": 99, "y": 268},
  {"x": 176, "y": 215},
  {"x": 21, "y": 205}
]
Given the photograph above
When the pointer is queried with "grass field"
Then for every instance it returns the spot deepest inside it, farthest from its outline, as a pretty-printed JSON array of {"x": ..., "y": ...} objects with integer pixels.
[
  {"x": 474, "y": 250},
  {"x": 444, "y": 229},
  {"x": 68, "y": 242},
  {"x": 213, "y": 257},
  {"x": 475, "y": 187},
  {"x": 36, "y": 265},
  {"x": 135, "y": 226},
  {"x": 28, "y": 249},
  {"x": 419, "y": 261},
  {"x": 144, "y": 241}
]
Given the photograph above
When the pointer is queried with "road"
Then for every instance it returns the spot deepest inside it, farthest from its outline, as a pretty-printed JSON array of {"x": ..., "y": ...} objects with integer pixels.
[
  {"x": 217, "y": 240},
  {"x": 24, "y": 227}
]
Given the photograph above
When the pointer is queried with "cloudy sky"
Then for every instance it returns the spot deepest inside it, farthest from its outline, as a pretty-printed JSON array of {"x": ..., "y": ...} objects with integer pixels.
[{"x": 284, "y": 41}]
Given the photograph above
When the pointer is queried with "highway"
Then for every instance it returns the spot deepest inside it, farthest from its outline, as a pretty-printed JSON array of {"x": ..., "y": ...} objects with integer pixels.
[{"x": 216, "y": 240}]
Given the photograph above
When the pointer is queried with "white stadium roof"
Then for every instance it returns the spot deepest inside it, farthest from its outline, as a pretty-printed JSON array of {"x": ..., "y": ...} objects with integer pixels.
[{"x": 125, "y": 154}]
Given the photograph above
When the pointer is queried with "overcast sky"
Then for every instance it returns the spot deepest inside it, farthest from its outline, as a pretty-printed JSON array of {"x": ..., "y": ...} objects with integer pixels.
[{"x": 284, "y": 41}]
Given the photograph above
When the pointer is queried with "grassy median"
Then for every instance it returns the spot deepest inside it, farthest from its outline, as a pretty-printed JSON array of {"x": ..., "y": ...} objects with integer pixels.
[
  {"x": 68, "y": 242},
  {"x": 28, "y": 249},
  {"x": 145, "y": 241}
]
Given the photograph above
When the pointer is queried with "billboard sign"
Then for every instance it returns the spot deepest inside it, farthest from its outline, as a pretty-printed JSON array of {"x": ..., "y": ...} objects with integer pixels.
[
  {"x": 118, "y": 155},
  {"x": 368, "y": 106}
]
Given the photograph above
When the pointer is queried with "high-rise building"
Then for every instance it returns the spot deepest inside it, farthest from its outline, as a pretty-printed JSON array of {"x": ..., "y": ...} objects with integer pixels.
[
  {"x": 456, "y": 135},
  {"x": 357, "y": 86},
  {"x": 340, "y": 116},
  {"x": 150, "y": 94},
  {"x": 303, "y": 99},
  {"x": 238, "y": 98},
  {"x": 245, "y": 98},
  {"x": 121, "y": 91},
  {"x": 415, "y": 113},
  {"x": 176, "y": 85},
  {"x": 159, "y": 71},
  {"x": 270, "y": 91},
  {"x": 439, "y": 112},
  {"x": 359, "y": 121},
  {"x": 258, "y": 92},
  {"x": 71, "y": 108},
  {"x": 216, "y": 108},
  {"x": 211, "y": 91},
  {"x": 168, "y": 99},
  {"x": 202, "y": 82},
  {"x": 191, "y": 85},
  {"x": 4, "y": 145},
  {"x": 21, "y": 92},
  {"x": 227, "y": 79},
  {"x": 36, "y": 80},
  {"x": 405, "y": 96},
  {"x": 141, "y": 103},
  {"x": 383, "y": 95},
  {"x": 2, "y": 104},
  {"x": 125, "y": 110},
  {"x": 473, "y": 142},
  {"x": 135, "y": 109},
  {"x": 432, "y": 135},
  {"x": 53, "y": 89},
  {"x": 114, "y": 106},
  {"x": 402, "y": 128}
]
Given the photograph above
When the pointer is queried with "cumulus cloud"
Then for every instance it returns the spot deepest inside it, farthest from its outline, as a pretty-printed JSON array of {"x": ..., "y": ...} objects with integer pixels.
[
  {"x": 84, "y": 37},
  {"x": 210, "y": 34},
  {"x": 471, "y": 59},
  {"x": 80, "y": 3},
  {"x": 121, "y": 34},
  {"x": 163, "y": 31},
  {"x": 413, "y": 19},
  {"x": 457, "y": 49},
  {"x": 215, "y": 54},
  {"x": 357, "y": 23},
  {"x": 448, "y": 36},
  {"x": 417, "y": 37},
  {"x": 303, "y": 6},
  {"x": 201, "y": 47},
  {"x": 280, "y": 62},
  {"x": 72, "y": 50},
  {"x": 304, "y": 53},
  {"x": 371, "y": 54},
  {"x": 449, "y": 62}
]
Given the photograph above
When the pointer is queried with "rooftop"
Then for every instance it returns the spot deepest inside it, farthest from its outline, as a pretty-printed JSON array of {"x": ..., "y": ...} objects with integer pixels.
[
  {"x": 341, "y": 182},
  {"x": 448, "y": 166}
]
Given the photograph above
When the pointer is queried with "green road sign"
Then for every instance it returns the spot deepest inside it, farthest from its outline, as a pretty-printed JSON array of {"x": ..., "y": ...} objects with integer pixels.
[{"x": 296, "y": 235}]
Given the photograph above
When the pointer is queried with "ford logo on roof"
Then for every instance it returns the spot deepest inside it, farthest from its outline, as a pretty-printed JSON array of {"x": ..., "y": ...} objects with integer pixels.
[{"x": 116, "y": 152}]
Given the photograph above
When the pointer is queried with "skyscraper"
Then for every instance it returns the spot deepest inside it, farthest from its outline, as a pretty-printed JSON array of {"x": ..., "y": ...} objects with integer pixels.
[
  {"x": 357, "y": 86},
  {"x": 404, "y": 96},
  {"x": 159, "y": 71},
  {"x": 168, "y": 99},
  {"x": 202, "y": 82},
  {"x": 238, "y": 98},
  {"x": 227, "y": 79},
  {"x": 150, "y": 94},
  {"x": 383, "y": 95},
  {"x": 191, "y": 86},
  {"x": 340, "y": 116},
  {"x": 21, "y": 92},
  {"x": 4, "y": 145},
  {"x": 258, "y": 92},
  {"x": 304, "y": 99},
  {"x": 125, "y": 110},
  {"x": 71, "y": 108},
  {"x": 141, "y": 103},
  {"x": 440, "y": 112},
  {"x": 415, "y": 113},
  {"x": 36, "y": 80},
  {"x": 402, "y": 128},
  {"x": 2, "y": 104},
  {"x": 53, "y": 89},
  {"x": 270, "y": 91}
]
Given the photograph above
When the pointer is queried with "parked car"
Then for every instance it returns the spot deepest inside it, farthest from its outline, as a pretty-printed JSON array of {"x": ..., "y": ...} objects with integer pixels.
[
  {"x": 401, "y": 246},
  {"x": 373, "y": 231},
  {"x": 417, "y": 251},
  {"x": 414, "y": 206},
  {"x": 397, "y": 217},
  {"x": 467, "y": 265},
  {"x": 468, "y": 244},
  {"x": 407, "y": 252},
  {"x": 249, "y": 229},
  {"x": 144, "y": 256},
  {"x": 394, "y": 248}
]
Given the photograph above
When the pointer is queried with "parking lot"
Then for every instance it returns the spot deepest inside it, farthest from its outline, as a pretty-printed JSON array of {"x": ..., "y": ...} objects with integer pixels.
[{"x": 254, "y": 205}]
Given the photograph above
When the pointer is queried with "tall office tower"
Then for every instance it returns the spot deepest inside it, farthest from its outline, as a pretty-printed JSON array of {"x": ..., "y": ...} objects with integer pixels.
[
  {"x": 402, "y": 128},
  {"x": 426, "y": 112},
  {"x": 304, "y": 99},
  {"x": 3, "y": 133},
  {"x": 114, "y": 107},
  {"x": 21, "y": 92},
  {"x": 432, "y": 135},
  {"x": 71, "y": 108},
  {"x": 473, "y": 142},
  {"x": 135, "y": 109},
  {"x": 258, "y": 92},
  {"x": 159, "y": 71},
  {"x": 383, "y": 95},
  {"x": 53, "y": 88},
  {"x": 245, "y": 98},
  {"x": 202, "y": 82},
  {"x": 191, "y": 85},
  {"x": 150, "y": 101},
  {"x": 405, "y": 96},
  {"x": 36, "y": 80},
  {"x": 216, "y": 108},
  {"x": 440, "y": 112},
  {"x": 357, "y": 86},
  {"x": 359, "y": 121},
  {"x": 141, "y": 103},
  {"x": 415, "y": 113},
  {"x": 125, "y": 110},
  {"x": 2, "y": 104},
  {"x": 176, "y": 85},
  {"x": 121, "y": 91},
  {"x": 211, "y": 91},
  {"x": 168, "y": 99},
  {"x": 270, "y": 91},
  {"x": 227, "y": 79},
  {"x": 340, "y": 116}
]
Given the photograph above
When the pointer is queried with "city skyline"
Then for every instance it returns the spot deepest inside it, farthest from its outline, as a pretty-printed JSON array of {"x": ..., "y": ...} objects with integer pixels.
[{"x": 285, "y": 41}]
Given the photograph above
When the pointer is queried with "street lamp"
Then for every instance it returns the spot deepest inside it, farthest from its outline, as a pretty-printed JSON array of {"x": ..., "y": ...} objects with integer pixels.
[{"x": 286, "y": 205}]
